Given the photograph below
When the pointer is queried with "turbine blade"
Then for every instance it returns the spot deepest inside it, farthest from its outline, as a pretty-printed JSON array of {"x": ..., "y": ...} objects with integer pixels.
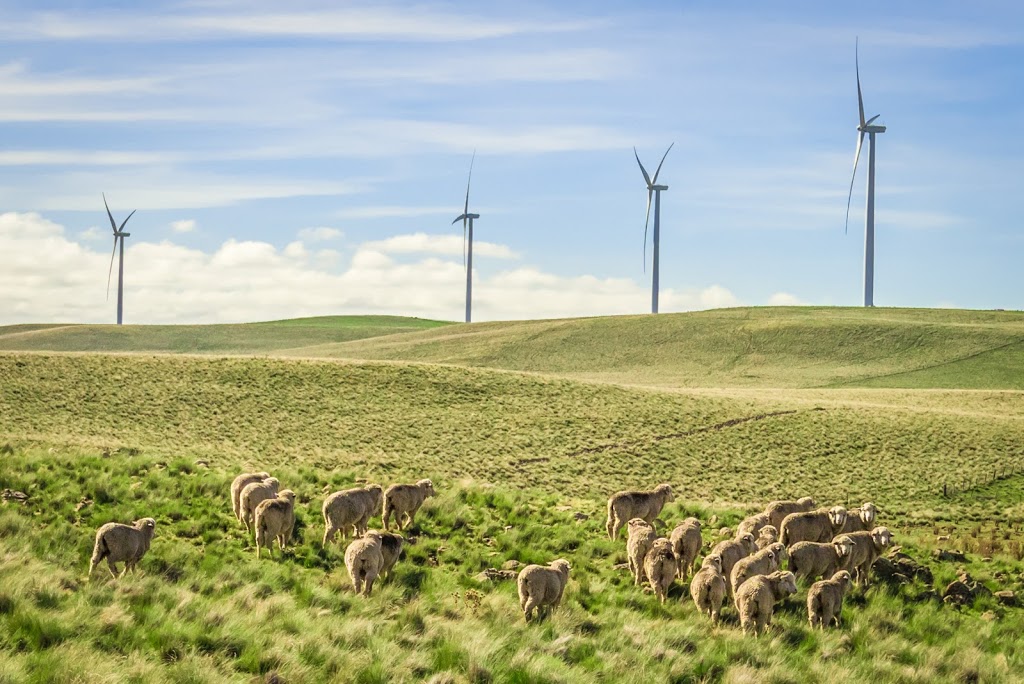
[
  {"x": 110, "y": 271},
  {"x": 468, "y": 181},
  {"x": 646, "y": 222},
  {"x": 869, "y": 121},
  {"x": 642, "y": 169},
  {"x": 126, "y": 220},
  {"x": 849, "y": 198},
  {"x": 860, "y": 97},
  {"x": 113, "y": 225},
  {"x": 658, "y": 170}
]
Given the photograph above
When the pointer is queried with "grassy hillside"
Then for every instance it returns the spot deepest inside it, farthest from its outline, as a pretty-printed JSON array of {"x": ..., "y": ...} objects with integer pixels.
[{"x": 244, "y": 338}]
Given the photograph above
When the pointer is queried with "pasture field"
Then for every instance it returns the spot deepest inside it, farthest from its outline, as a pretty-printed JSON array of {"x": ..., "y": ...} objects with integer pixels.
[{"x": 523, "y": 463}]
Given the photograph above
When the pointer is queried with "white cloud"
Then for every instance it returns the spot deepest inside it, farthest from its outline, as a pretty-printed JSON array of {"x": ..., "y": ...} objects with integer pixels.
[
  {"x": 183, "y": 226},
  {"x": 784, "y": 299},
  {"x": 438, "y": 244},
  {"x": 92, "y": 233},
  {"x": 319, "y": 234},
  {"x": 392, "y": 212}
]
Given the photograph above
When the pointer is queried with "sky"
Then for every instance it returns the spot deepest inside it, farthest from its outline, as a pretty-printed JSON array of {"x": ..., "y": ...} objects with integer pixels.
[{"x": 308, "y": 158}]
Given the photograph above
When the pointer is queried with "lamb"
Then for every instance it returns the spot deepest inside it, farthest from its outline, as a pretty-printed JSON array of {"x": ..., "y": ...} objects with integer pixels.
[
  {"x": 767, "y": 536},
  {"x": 868, "y": 547},
  {"x": 817, "y": 526},
  {"x": 252, "y": 495},
  {"x": 238, "y": 484},
  {"x": 753, "y": 524},
  {"x": 756, "y": 599},
  {"x": 624, "y": 506},
  {"x": 119, "y": 543},
  {"x": 765, "y": 561},
  {"x": 860, "y": 519},
  {"x": 350, "y": 508},
  {"x": 731, "y": 551},
  {"x": 640, "y": 538},
  {"x": 404, "y": 500},
  {"x": 709, "y": 586},
  {"x": 778, "y": 510},
  {"x": 686, "y": 543},
  {"x": 275, "y": 519},
  {"x": 390, "y": 549},
  {"x": 541, "y": 587},
  {"x": 825, "y": 600},
  {"x": 811, "y": 560},
  {"x": 364, "y": 559},
  {"x": 660, "y": 567}
]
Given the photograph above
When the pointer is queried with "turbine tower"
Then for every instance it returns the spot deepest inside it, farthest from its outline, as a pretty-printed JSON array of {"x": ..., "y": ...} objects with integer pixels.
[
  {"x": 653, "y": 189},
  {"x": 869, "y": 129},
  {"x": 118, "y": 234},
  {"x": 467, "y": 242}
]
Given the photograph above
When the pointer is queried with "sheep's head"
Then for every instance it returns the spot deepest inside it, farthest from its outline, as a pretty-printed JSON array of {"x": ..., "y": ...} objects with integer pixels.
[
  {"x": 779, "y": 550},
  {"x": 287, "y": 494},
  {"x": 843, "y": 579},
  {"x": 271, "y": 482},
  {"x": 881, "y": 536},
  {"x": 693, "y": 522},
  {"x": 427, "y": 486},
  {"x": 837, "y": 516},
  {"x": 768, "y": 534},
  {"x": 868, "y": 513},
  {"x": 373, "y": 535},
  {"x": 665, "y": 490},
  {"x": 712, "y": 560},
  {"x": 638, "y": 523},
  {"x": 785, "y": 583},
  {"x": 807, "y": 502},
  {"x": 144, "y": 524},
  {"x": 748, "y": 542},
  {"x": 844, "y": 546},
  {"x": 561, "y": 566}
]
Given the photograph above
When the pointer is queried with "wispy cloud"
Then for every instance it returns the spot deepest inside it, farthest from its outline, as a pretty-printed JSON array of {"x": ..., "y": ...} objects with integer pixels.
[
  {"x": 437, "y": 244},
  {"x": 183, "y": 226},
  {"x": 319, "y": 234},
  {"x": 391, "y": 211}
]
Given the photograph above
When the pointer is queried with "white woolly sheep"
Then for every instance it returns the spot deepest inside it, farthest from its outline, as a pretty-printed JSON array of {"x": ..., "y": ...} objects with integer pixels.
[
  {"x": 753, "y": 524},
  {"x": 364, "y": 559},
  {"x": 778, "y": 510},
  {"x": 860, "y": 519},
  {"x": 252, "y": 495},
  {"x": 731, "y": 551},
  {"x": 869, "y": 546},
  {"x": 825, "y": 600},
  {"x": 403, "y": 500},
  {"x": 640, "y": 537},
  {"x": 767, "y": 536},
  {"x": 756, "y": 599},
  {"x": 813, "y": 560},
  {"x": 541, "y": 587},
  {"x": 390, "y": 549},
  {"x": 686, "y": 543},
  {"x": 624, "y": 506},
  {"x": 817, "y": 526},
  {"x": 351, "y": 508},
  {"x": 238, "y": 484},
  {"x": 118, "y": 543},
  {"x": 765, "y": 561},
  {"x": 708, "y": 587},
  {"x": 275, "y": 519},
  {"x": 660, "y": 567}
]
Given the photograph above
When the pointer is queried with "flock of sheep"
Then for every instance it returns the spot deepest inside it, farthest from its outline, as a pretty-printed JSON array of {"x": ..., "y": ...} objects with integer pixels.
[{"x": 832, "y": 544}]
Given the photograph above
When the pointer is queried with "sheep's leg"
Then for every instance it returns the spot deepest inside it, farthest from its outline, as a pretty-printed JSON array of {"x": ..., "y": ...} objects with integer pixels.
[
  {"x": 386, "y": 515},
  {"x": 529, "y": 607},
  {"x": 412, "y": 518},
  {"x": 369, "y": 585}
]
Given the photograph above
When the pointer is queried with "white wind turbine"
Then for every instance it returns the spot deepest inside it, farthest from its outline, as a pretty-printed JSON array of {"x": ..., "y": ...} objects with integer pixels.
[
  {"x": 869, "y": 129},
  {"x": 467, "y": 242},
  {"x": 119, "y": 234},
  {"x": 653, "y": 189}
]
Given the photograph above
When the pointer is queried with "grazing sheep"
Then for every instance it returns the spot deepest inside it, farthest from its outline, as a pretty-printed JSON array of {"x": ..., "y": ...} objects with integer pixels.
[
  {"x": 778, "y": 510},
  {"x": 825, "y": 600},
  {"x": 709, "y": 586},
  {"x": 122, "y": 544},
  {"x": 868, "y": 547},
  {"x": 753, "y": 524},
  {"x": 686, "y": 543},
  {"x": 252, "y": 495},
  {"x": 275, "y": 519},
  {"x": 364, "y": 559},
  {"x": 860, "y": 519},
  {"x": 765, "y": 561},
  {"x": 238, "y": 484},
  {"x": 624, "y": 506},
  {"x": 390, "y": 549},
  {"x": 351, "y": 508},
  {"x": 767, "y": 536},
  {"x": 817, "y": 526},
  {"x": 541, "y": 587},
  {"x": 404, "y": 500},
  {"x": 756, "y": 599},
  {"x": 731, "y": 551},
  {"x": 660, "y": 567},
  {"x": 811, "y": 560},
  {"x": 640, "y": 538}
]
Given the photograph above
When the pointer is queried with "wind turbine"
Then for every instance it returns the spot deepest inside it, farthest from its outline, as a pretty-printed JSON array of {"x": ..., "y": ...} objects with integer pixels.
[
  {"x": 653, "y": 189},
  {"x": 869, "y": 129},
  {"x": 467, "y": 245},
  {"x": 118, "y": 234}
]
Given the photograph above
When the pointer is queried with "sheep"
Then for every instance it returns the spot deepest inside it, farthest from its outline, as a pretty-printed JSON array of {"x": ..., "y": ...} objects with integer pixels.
[
  {"x": 624, "y": 506},
  {"x": 252, "y": 495},
  {"x": 709, "y": 586},
  {"x": 119, "y": 543},
  {"x": 817, "y": 526},
  {"x": 660, "y": 567},
  {"x": 390, "y": 549},
  {"x": 350, "y": 508},
  {"x": 812, "y": 560},
  {"x": 767, "y": 560},
  {"x": 640, "y": 537},
  {"x": 541, "y": 587},
  {"x": 731, "y": 551},
  {"x": 778, "y": 510},
  {"x": 275, "y": 519},
  {"x": 825, "y": 600},
  {"x": 404, "y": 500},
  {"x": 756, "y": 599},
  {"x": 868, "y": 547},
  {"x": 860, "y": 519},
  {"x": 767, "y": 536},
  {"x": 686, "y": 543},
  {"x": 753, "y": 524},
  {"x": 238, "y": 484},
  {"x": 364, "y": 560}
]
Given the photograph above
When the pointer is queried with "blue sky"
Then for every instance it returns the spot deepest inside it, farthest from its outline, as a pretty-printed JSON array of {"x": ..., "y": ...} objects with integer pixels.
[{"x": 309, "y": 160}]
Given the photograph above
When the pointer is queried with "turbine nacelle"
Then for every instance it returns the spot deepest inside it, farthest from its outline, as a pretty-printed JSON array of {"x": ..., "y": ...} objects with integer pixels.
[{"x": 657, "y": 187}]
